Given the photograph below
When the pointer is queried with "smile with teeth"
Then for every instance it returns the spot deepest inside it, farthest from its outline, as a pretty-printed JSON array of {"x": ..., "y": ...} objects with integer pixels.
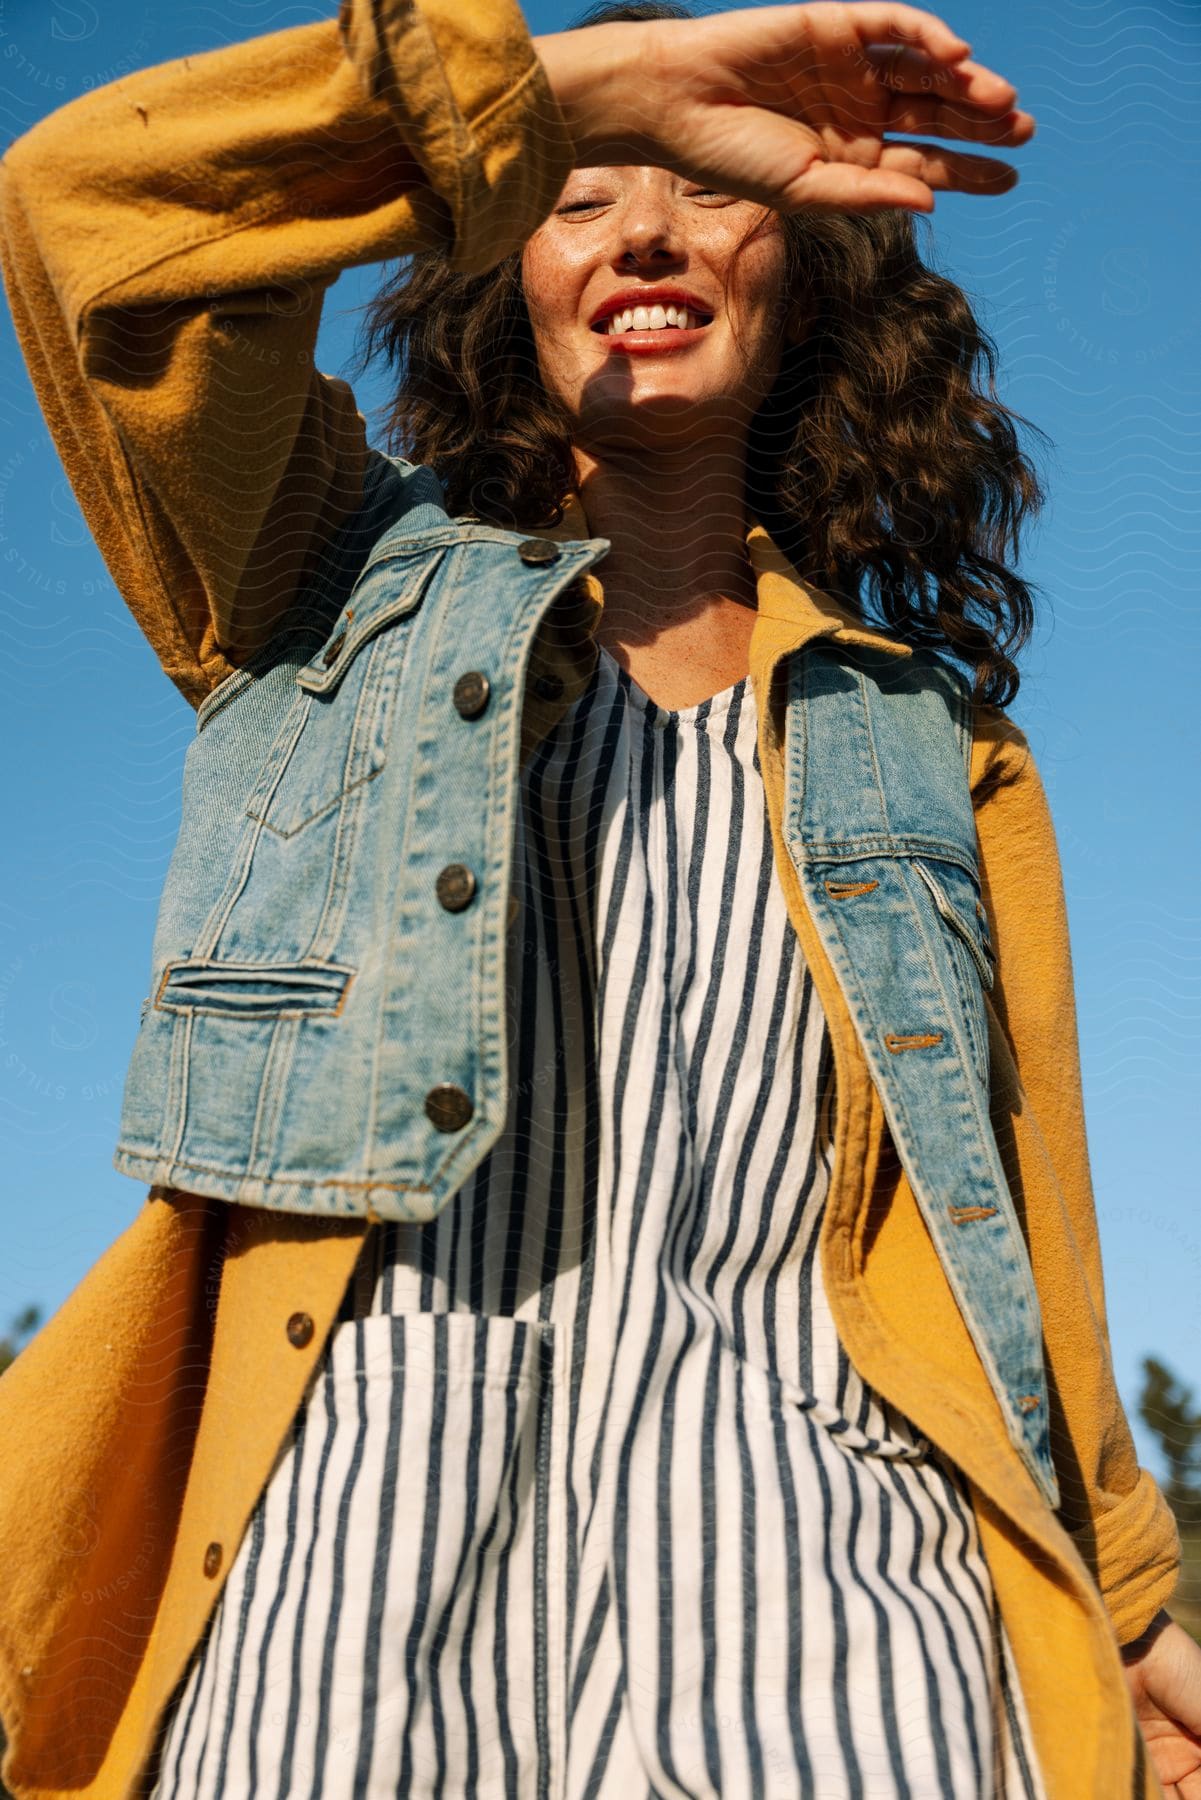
[{"x": 651, "y": 318}]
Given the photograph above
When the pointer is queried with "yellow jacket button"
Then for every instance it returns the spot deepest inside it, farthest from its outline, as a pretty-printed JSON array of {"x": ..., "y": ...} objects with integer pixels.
[
  {"x": 212, "y": 1560},
  {"x": 300, "y": 1330}
]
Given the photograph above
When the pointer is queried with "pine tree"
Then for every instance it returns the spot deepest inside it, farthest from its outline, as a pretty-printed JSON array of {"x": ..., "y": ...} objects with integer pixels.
[
  {"x": 23, "y": 1326},
  {"x": 1168, "y": 1408}
]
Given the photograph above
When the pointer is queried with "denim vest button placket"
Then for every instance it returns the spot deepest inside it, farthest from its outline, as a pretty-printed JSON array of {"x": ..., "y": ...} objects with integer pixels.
[
  {"x": 879, "y": 821},
  {"x": 471, "y": 693},
  {"x": 448, "y": 1107},
  {"x": 455, "y": 887}
]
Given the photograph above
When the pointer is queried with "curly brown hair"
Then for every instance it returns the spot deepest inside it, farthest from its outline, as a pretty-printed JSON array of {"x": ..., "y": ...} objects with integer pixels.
[{"x": 882, "y": 462}]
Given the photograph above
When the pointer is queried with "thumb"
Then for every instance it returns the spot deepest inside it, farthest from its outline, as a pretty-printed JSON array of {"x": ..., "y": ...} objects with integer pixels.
[
  {"x": 761, "y": 156},
  {"x": 1173, "y": 1677},
  {"x": 846, "y": 187}
]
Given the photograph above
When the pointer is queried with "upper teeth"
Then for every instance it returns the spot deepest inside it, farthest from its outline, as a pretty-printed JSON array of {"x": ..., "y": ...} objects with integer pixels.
[{"x": 652, "y": 318}]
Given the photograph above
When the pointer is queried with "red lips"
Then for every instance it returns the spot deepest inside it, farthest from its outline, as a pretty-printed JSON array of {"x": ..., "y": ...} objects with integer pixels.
[{"x": 661, "y": 294}]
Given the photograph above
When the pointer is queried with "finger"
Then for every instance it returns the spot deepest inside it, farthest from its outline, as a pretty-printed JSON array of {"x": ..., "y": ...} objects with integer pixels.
[
  {"x": 955, "y": 170},
  {"x": 923, "y": 54},
  {"x": 911, "y": 71},
  {"x": 778, "y": 163},
  {"x": 879, "y": 21},
  {"x": 846, "y": 187},
  {"x": 937, "y": 118}
]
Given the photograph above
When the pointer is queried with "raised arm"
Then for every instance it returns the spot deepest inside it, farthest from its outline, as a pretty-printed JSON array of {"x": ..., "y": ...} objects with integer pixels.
[{"x": 166, "y": 242}]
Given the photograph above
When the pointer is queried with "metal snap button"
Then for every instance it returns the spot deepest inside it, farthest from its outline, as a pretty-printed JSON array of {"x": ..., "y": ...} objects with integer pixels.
[
  {"x": 471, "y": 693},
  {"x": 448, "y": 1107},
  {"x": 536, "y": 552},
  {"x": 334, "y": 650},
  {"x": 212, "y": 1560},
  {"x": 548, "y": 687},
  {"x": 455, "y": 886},
  {"x": 300, "y": 1330}
]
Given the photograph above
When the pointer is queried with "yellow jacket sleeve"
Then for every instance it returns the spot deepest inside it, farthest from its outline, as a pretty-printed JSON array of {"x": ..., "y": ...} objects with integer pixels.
[
  {"x": 1112, "y": 1508},
  {"x": 166, "y": 242}
]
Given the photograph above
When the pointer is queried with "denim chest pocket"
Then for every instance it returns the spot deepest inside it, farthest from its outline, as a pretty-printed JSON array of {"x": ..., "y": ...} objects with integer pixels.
[
  {"x": 334, "y": 738},
  {"x": 331, "y": 744},
  {"x": 965, "y": 933}
]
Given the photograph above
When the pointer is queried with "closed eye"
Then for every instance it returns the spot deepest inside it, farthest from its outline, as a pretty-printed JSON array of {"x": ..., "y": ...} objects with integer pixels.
[{"x": 587, "y": 205}]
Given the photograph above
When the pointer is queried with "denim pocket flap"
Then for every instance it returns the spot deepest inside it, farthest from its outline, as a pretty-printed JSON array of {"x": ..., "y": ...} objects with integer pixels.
[
  {"x": 243, "y": 990},
  {"x": 390, "y": 591},
  {"x": 956, "y": 896}
]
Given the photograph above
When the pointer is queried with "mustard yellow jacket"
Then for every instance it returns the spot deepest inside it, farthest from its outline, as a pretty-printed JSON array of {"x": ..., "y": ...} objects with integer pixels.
[{"x": 166, "y": 242}]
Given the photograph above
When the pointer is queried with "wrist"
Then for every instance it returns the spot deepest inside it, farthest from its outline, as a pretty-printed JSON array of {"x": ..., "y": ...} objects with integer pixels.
[
  {"x": 599, "y": 77},
  {"x": 1139, "y": 1646}
]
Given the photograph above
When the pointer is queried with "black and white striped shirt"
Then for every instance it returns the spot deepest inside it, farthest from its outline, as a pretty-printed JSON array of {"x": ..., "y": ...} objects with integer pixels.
[{"x": 585, "y": 1501}]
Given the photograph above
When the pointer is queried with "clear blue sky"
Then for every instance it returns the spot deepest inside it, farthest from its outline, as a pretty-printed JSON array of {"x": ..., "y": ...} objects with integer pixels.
[{"x": 1087, "y": 276}]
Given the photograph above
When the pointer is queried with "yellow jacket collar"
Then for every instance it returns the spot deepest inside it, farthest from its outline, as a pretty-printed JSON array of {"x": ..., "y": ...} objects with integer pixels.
[{"x": 790, "y": 610}]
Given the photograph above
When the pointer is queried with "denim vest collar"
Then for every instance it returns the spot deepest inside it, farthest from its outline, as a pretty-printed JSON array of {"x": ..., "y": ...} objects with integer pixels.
[{"x": 789, "y": 611}]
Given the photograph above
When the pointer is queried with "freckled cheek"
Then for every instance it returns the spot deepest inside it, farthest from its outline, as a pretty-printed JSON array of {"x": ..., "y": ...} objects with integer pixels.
[
  {"x": 553, "y": 286},
  {"x": 563, "y": 362},
  {"x": 553, "y": 297}
]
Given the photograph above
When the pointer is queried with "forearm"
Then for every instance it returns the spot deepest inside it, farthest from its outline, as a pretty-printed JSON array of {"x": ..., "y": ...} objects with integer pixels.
[
  {"x": 603, "y": 81},
  {"x": 1137, "y": 1648}
]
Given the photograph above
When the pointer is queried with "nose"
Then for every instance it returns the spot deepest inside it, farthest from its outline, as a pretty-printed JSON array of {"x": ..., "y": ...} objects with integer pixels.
[{"x": 649, "y": 230}]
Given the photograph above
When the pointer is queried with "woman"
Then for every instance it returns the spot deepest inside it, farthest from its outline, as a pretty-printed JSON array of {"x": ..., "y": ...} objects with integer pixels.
[{"x": 658, "y": 1456}]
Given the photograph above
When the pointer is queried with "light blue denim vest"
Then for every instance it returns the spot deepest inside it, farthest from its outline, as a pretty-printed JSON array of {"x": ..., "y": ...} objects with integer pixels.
[{"x": 326, "y": 1027}]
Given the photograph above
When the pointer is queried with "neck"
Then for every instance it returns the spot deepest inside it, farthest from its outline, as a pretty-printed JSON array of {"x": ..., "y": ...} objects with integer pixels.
[{"x": 678, "y": 529}]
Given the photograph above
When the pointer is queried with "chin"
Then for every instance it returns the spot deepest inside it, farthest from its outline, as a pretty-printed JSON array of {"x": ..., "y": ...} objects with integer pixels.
[{"x": 659, "y": 416}]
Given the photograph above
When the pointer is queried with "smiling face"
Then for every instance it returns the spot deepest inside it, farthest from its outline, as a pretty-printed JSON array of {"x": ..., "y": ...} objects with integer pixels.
[{"x": 622, "y": 233}]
